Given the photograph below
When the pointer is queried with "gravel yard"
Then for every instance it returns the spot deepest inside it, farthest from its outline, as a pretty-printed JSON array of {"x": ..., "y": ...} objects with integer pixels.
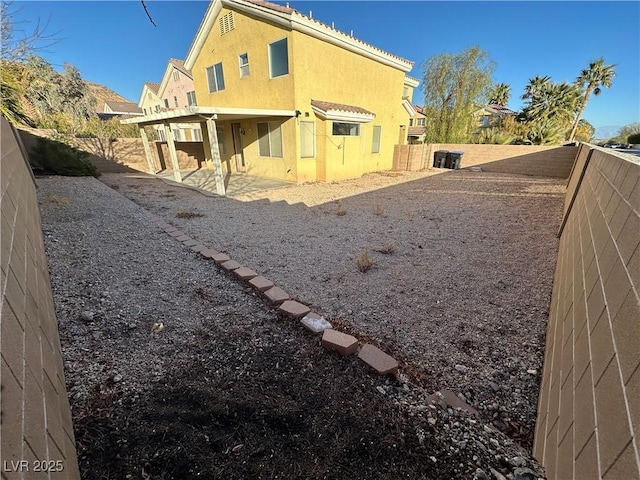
[{"x": 458, "y": 290}]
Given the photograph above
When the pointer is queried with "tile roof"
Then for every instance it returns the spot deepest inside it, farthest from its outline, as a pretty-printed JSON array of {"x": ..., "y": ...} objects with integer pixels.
[
  {"x": 153, "y": 86},
  {"x": 179, "y": 64},
  {"x": 416, "y": 131},
  {"x": 419, "y": 109},
  {"x": 327, "y": 106},
  {"x": 499, "y": 109},
  {"x": 126, "y": 107}
]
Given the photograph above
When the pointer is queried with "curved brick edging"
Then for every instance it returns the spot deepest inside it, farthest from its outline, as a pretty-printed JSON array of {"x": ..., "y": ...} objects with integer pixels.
[{"x": 332, "y": 339}]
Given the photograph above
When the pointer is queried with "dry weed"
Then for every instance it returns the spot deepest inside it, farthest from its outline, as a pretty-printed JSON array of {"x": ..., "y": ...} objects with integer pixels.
[
  {"x": 340, "y": 211},
  {"x": 185, "y": 214},
  {"x": 386, "y": 249},
  {"x": 378, "y": 210},
  {"x": 53, "y": 198},
  {"x": 364, "y": 261}
]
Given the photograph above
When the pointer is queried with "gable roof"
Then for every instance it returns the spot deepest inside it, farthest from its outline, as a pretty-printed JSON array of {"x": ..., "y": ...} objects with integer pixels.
[
  {"x": 498, "y": 109},
  {"x": 123, "y": 107},
  {"x": 154, "y": 87},
  {"x": 293, "y": 20},
  {"x": 176, "y": 64},
  {"x": 341, "y": 112},
  {"x": 146, "y": 88}
]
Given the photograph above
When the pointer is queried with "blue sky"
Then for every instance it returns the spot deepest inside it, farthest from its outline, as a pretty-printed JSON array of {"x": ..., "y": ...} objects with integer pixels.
[{"x": 113, "y": 43}]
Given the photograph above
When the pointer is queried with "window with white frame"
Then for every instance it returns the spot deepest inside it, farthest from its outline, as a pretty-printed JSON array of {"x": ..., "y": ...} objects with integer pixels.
[
  {"x": 278, "y": 58},
  {"x": 307, "y": 139},
  {"x": 405, "y": 92},
  {"x": 215, "y": 78},
  {"x": 243, "y": 61},
  {"x": 176, "y": 135},
  {"x": 158, "y": 108},
  {"x": 191, "y": 98},
  {"x": 175, "y": 100},
  {"x": 161, "y": 135},
  {"x": 375, "y": 144},
  {"x": 270, "y": 139},
  {"x": 166, "y": 103},
  {"x": 176, "y": 75},
  {"x": 346, "y": 129},
  {"x": 197, "y": 134},
  {"x": 420, "y": 122}
]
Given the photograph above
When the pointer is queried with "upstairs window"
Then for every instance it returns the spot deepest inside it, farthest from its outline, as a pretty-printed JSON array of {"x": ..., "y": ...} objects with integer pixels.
[
  {"x": 166, "y": 103},
  {"x": 226, "y": 23},
  {"x": 215, "y": 78},
  {"x": 270, "y": 139},
  {"x": 405, "y": 92},
  {"x": 420, "y": 122},
  {"x": 158, "y": 108},
  {"x": 176, "y": 75},
  {"x": 411, "y": 122},
  {"x": 145, "y": 111},
  {"x": 243, "y": 61},
  {"x": 346, "y": 129},
  {"x": 278, "y": 58},
  {"x": 175, "y": 101},
  {"x": 191, "y": 98}
]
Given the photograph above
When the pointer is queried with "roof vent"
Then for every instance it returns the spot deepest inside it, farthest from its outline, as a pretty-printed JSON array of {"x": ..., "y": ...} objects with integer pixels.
[{"x": 226, "y": 23}]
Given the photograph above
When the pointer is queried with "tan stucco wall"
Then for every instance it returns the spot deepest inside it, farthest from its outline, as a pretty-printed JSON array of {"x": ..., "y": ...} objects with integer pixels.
[
  {"x": 589, "y": 408},
  {"x": 519, "y": 159},
  {"x": 35, "y": 424}
]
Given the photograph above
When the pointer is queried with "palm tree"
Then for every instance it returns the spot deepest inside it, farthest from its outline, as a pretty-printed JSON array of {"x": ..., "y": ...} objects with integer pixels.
[
  {"x": 598, "y": 74},
  {"x": 535, "y": 86},
  {"x": 553, "y": 101},
  {"x": 500, "y": 94}
]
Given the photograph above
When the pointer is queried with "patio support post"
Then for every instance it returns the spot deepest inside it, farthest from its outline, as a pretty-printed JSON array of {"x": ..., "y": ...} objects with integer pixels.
[
  {"x": 212, "y": 152},
  {"x": 147, "y": 150},
  {"x": 173, "y": 155}
]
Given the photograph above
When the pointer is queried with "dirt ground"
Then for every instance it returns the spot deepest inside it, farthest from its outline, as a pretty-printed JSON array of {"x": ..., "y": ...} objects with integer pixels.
[{"x": 227, "y": 389}]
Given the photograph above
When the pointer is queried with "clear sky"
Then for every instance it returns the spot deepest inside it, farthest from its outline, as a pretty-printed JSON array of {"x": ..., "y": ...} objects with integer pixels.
[{"x": 114, "y": 44}]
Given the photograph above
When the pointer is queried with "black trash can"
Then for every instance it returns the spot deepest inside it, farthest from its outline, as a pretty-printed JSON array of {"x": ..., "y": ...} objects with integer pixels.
[
  {"x": 454, "y": 159},
  {"x": 440, "y": 158}
]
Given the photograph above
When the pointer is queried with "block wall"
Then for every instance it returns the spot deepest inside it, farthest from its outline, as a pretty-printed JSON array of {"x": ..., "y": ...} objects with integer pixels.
[
  {"x": 35, "y": 420},
  {"x": 589, "y": 407}
]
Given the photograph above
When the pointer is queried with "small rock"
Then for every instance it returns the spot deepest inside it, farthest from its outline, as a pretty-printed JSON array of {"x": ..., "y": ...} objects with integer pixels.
[
  {"x": 431, "y": 420},
  {"x": 532, "y": 371},
  {"x": 481, "y": 475},
  {"x": 87, "y": 316},
  {"x": 117, "y": 378},
  {"x": 494, "y": 442},
  {"x": 497, "y": 474},
  {"x": 524, "y": 474},
  {"x": 433, "y": 459},
  {"x": 381, "y": 390},
  {"x": 494, "y": 386},
  {"x": 460, "y": 368},
  {"x": 517, "y": 461}
]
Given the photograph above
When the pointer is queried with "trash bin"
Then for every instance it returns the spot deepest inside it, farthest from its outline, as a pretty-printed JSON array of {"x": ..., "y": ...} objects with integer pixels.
[
  {"x": 454, "y": 158},
  {"x": 439, "y": 158}
]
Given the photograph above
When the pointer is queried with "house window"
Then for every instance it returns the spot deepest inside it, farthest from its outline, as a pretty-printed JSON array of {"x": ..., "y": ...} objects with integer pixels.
[
  {"x": 243, "y": 61},
  {"x": 420, "y": 122},
  {"x": 226, "y": 23},
  {"x": 270, "y": 139},
  {"x": 191, "y": 98},
  {"x": 411, "y": 122},
  {"x": 149, "y": 95},
  {"x": 175, "y": 101},
  {"x": 221, "y": 142},
  {"x": 377, "y": 132},
  {"x": 346, "y": 129},
  {"x": 215, "y": 77},
  {"x": 196, "y": 133},
  {"x": 157, "y": 108},
  {"x": 176, "y": 134},
  {"x": 145, "y": 111},
  {"x": 161, "y": 135},
  {"x": 166, "y": 103},
  {"x": 278, "y": 58},
  {"x": 307, "y": 139},
  {"x": 176, "y": 75},
  {"x": 405, "y": 92}
]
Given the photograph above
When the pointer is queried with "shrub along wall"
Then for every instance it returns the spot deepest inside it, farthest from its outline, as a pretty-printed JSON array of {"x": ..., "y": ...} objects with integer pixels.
[
  {"x": 519, "y": 159},
  {"x": 36, "y": 419}
]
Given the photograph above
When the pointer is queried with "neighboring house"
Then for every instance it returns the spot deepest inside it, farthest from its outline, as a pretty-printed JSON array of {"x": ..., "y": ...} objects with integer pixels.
[
  {"x": 150, "y": 102},
  {"x": 490, "y": 115},
  {"x": 417, "y": 125},
  {"x": 176, "y": 91},
  {"x": 119, "y": 109},
  {"x": 288, "y": 97}
]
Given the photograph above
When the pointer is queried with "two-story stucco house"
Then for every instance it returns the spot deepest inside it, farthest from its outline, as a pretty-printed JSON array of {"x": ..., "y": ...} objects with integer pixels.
[{"x": 288, "y": 97}]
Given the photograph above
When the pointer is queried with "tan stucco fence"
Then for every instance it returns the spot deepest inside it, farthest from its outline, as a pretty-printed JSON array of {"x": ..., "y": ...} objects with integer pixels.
[
  {"x": 545, "y": 161},
  {"x": 36, "y": 433},
  {"x": 589, "y": 406}
]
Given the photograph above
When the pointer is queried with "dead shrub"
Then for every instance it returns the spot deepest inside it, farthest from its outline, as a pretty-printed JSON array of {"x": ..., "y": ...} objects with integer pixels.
[
  {"x": 386, "y": 249},
  {"x": 378, "y": 210},
  {"x": 53, "y": 198},
  {"x": 364, "y": 261},
  {"x": 341, "y": 210},
  {"x": 185, "y": 214}
]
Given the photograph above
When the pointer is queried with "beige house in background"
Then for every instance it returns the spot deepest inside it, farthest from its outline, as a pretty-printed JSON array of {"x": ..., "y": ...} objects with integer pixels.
[
  {"x": 176, "y": 91},
  {"x": 417, "y": 124},
  {"x": 150, "y": 102}
]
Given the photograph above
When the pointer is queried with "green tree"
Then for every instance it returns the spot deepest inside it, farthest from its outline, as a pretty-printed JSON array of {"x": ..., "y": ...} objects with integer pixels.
[
  {"x": 597, "y": 75},
  {"x": 584, "y": 132},
  {"x": 453, "y": 85},
  {"x": 626, "y": 131},
  {"x": 535, "y": 87},
  {"x": 10, "y": 95},
  {"x": 500, "y": 94}
]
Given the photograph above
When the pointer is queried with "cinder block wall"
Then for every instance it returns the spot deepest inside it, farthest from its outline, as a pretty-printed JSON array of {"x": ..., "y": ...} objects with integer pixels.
[
  {"x": 35, "y": 421},
  {"x": 519, "y": 159},
  {"x": 589, "y": 407},
  {"x": 190, "y": 154}
]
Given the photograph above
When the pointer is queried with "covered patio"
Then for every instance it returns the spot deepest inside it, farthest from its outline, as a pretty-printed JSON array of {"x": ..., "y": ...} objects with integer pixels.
[{"x": 212, "y": 176}]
